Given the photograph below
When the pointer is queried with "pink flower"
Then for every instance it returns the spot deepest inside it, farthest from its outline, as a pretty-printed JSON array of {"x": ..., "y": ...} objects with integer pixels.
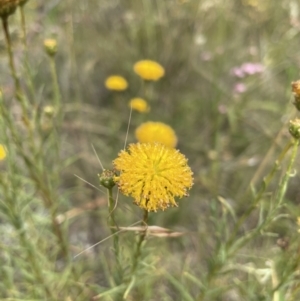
[{"x": 239, "y": 88}]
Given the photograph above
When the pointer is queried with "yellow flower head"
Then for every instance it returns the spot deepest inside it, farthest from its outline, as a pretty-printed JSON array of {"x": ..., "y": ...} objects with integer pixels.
[
  {"x": 153, "y": 175},
  {"x": 116, "y": 82},
  {"x": 139, "y": 104},
  {"x": 8, "y": 7},
  {"x": 2, "y": 152},
  {"x": 156, "y": 132},
  {"x": 149, "y": 70},
  {"x": 50, "y": 46}
]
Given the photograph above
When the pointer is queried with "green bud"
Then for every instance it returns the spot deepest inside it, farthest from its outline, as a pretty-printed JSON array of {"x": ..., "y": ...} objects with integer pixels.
[
  {"x": 50, "y": 46},
  {"x": 7, "y": 7},
  {"x": 294, "y": 128},
  {"x": 107, "y": 178}
]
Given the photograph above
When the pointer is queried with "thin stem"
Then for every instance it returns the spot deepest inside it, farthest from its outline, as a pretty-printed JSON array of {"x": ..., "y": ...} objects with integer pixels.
[
  {"x": 31, "y": 257},
  {"x": 23, "y": 22},
  {"x": 114, "y": 229},
  {"x": 285, "y": 180},
  {"x": 258, "y": 197},
  {"x": 28, "y": 77},
  {"x": 55, "y": 82},
  {"x": 137, "y": 255},
  {"x": 18, "y": 90},
  {"x": 265, "y": 184}
]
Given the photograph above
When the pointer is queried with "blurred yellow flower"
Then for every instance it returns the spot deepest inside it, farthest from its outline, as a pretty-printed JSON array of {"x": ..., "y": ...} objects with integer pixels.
[
  {"x": 156, "y": 132},
  {"x": 50, "y": 46},
  {"x": 2, "y": 152},
  {"x": 149, "y": 70},
  {"x": 298, "y": 223},
  {"x": 116, "y": 82},
  {"x": 139, "y": 104},
  {"x": 153, "y": 175}
]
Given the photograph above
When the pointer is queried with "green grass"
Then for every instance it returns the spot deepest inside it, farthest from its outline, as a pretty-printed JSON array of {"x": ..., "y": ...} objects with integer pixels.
[{"x": 235, "y": 144}]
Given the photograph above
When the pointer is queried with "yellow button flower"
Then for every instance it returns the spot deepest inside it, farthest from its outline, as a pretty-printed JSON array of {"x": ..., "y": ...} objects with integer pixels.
[
  {"x": 156, "y": 132},
  {"x": 116, "y": 82},
  {"x": 149, "y": 70},
  {"x": 139, "y": 104},
  {"x": 153, "y": 175},
  {"x": 2, "y": 152}
]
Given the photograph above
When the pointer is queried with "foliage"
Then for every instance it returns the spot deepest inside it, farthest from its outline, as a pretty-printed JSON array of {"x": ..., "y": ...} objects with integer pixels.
[{"x": 224, "y": 87}]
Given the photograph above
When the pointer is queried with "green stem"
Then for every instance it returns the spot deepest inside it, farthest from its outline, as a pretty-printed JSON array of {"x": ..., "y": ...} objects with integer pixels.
[
  {"x": 32, "y": 258},
  {"x": 21, "y": 7},
  {"x": 138, "y": 251},
  {"x": 55, "y": 83},
  {"x": 28, "y": 77},
  {"x": 267, "y": 180},
  {"x": 265, "y": 184},
  {"x": 137, "y": 255},
  {"x": 18, "y": 90},
  {"x": 114, "y": 228},
  {"x": 285, "y": 180}
]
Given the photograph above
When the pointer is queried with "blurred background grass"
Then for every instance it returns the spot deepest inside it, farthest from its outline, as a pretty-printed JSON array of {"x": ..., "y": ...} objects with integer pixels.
[{"x": 224, "y": 131}]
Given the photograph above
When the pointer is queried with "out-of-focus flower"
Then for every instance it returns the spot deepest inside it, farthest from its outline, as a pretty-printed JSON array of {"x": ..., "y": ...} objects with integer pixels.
[
  {"x": 116, "y": 82},
  {"x": 139, "y": 104},
  {"x": 247, "y": 69},
  {"x": 252, "y": 68},
  {"x": 7, "y": 7},
  {"x": 2, "y": 152},
  {"x": 239, "y": 88},
  {"x": 294, "y": 128},
  {"x": 149, "y": 70},
  {"x": 298, "y": 223},
  {"x": 296, "y": 92},
  {"x": 206, "y": 56},
  {"x": 296, "y": 88},
  {"x": 50, "y": 46},
  {"x": 153, "y": 175},
  {"x": 49, "y": 111},
  {"x": 156, "y": 132}
]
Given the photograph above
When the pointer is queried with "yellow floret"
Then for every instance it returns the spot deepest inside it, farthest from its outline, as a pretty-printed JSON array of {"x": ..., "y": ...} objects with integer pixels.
[
  {"x": 139, "y": 104},
  {"x": 116, "y": 82},
  {"x": 149, "y": 70},
  {"x": 156, "y": 132}
]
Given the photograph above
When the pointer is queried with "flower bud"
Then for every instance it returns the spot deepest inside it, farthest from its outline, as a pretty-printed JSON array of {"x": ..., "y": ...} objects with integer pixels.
[
  {"x": 49, "y": 111},
  {"x": 294, "y": 128},
  {"x": 3, "y": 152},
  {"x": 107, "y": 178},
  {"x": 7, "y": 7},
  {"x": 50, "y": 46},
  {"x": 296, "y": 92}
]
